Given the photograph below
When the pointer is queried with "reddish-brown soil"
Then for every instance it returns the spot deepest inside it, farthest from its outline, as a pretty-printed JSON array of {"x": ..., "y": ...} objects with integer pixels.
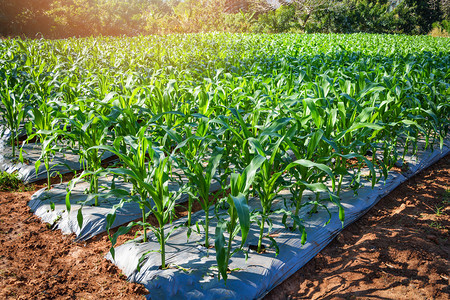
[
  {"x": 38, "y": 263},
  {"x": 399, "y": 250}
]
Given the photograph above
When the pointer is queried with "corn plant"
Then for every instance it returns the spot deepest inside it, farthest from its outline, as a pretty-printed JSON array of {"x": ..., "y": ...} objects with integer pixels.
[
  {"x": 268, "y": 181},
  {"x": 193, "y": 149},
  {"x": 236, "y": 137},
  {"x": 150, "y": 181},
  {"x": 44, "y": 125},
  {"x": 200, "y": 182},
  {"x": 88, "y": 128},
  {"x": 238, "y": 215},
  {"x": 127, "y": 116},
  {"x": 13, "y": 111},
  {"x": 308, "y": 175}
]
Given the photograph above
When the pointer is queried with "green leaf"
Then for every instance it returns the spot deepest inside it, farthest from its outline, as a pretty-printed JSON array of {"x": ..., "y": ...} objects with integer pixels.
[
  {"x": 309, "y": 164},
  {"x": 80, "y": 218},
  {"x": 240, "y": 202},
  {"x": 274, "y": 244},
  {"x": 68, "y": 205},
  {"x": 220, "y": 246},
  {"x": 213, "y": 164},
  {"x": 249, "y": 173},
  {"x": 341, "y": 214}
]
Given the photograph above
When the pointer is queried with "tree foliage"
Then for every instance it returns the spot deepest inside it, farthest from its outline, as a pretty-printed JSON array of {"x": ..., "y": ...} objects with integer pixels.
[{"x": 64, "y": 18}]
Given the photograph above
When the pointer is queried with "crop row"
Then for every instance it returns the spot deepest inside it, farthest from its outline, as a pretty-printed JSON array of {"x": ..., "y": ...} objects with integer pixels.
[{"x": 258, "y": 114}]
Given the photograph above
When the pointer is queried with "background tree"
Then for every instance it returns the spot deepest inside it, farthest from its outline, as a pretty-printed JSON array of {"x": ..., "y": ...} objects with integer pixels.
[
  {"x": 64, "y": 18},
  {"x": 23, "y": 17},
  {"x": 307, "y": 8},
  {"x": 416, "y": 16}
]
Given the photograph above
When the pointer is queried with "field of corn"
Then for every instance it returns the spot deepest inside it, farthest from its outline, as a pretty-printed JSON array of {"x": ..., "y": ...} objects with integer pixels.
[{"x": 256, "y": 114}]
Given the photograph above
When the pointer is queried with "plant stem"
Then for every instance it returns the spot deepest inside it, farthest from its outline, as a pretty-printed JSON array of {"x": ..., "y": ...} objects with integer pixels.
[
  {"x": 13, "y": 143},
  {"x": 189, "y": 211},
  {"x": 163, "y": 246},
  {"x": 261, "y": 230},
  {"x": 299, "y": 200},
  {"x": 314, "y": 209},
  {"x": 341, "y": 177},
  {"x": 405, "y": 150},
  {"x": 96, "y": 164},
  {"x": 233, "y": 218},
  {"x": 47, "y": 167},
  {"x": 297, "y": 206},
  {"x": 16, "y": 136},
  {"x": 207, "y": 228},
  {"x": 95, "y": 182},
  {"x": 144, "y": 227}
]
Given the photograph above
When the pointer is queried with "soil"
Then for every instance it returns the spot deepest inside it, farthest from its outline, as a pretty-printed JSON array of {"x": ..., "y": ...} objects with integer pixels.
[
  {"x": 38, "y": 263},
  {"x": 398, "y": 250}
]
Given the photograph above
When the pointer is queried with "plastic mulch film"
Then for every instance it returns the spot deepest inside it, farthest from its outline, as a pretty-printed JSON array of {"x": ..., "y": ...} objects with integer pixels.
[
  {"x": 94, "y": 217},
  {"x": 61, "y": 162},
  {"x": 193, "y": 273},
  {"x": 5, "y": 134},
  {"x": 424, "y": 158}
]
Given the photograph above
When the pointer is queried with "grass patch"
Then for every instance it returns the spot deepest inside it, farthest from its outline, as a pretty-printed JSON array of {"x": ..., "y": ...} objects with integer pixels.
[{"x": 11, "y": 182}]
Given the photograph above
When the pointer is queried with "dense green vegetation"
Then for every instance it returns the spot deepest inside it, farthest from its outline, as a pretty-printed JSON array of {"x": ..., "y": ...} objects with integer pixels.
[
  {"x": 59, "y": 19},
  {"x": 257, "y": 113}
]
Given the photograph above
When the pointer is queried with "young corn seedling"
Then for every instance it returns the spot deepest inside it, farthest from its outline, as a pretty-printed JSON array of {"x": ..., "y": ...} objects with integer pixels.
[
  {"x": 268, "y": 181},
  {"x": 201, "y": 178},
  {"x": 343, "y": 153},
  {"x": 192, "y": 150},
  {"x": 308, "y": 175},
  {"x": 13, "y": 111},
  {"x": 163, "y": 100},
  {"x": 151, "y": 183},
  {"x": 44, "y": 121},
  {"x": 127, "y": 114},
  {"x": 339, "y": 136},
  {"x": 89, "y": 128},
  {"x": 238, "y": 216},
  {"x": 235, "y": 137}
]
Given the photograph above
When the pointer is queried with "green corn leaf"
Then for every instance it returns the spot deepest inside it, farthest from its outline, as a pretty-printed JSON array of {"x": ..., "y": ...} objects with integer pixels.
[
  {"x": 310, "y": 164},
  {"x": 213, "y": 164},
  {"x": 249, "y": 173},
  {"x": 80, "y": 218},
  {"x": 68, "y": 205},
  {"x": 240, "y": 202},
  {"x": 221, "y": 252}
]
